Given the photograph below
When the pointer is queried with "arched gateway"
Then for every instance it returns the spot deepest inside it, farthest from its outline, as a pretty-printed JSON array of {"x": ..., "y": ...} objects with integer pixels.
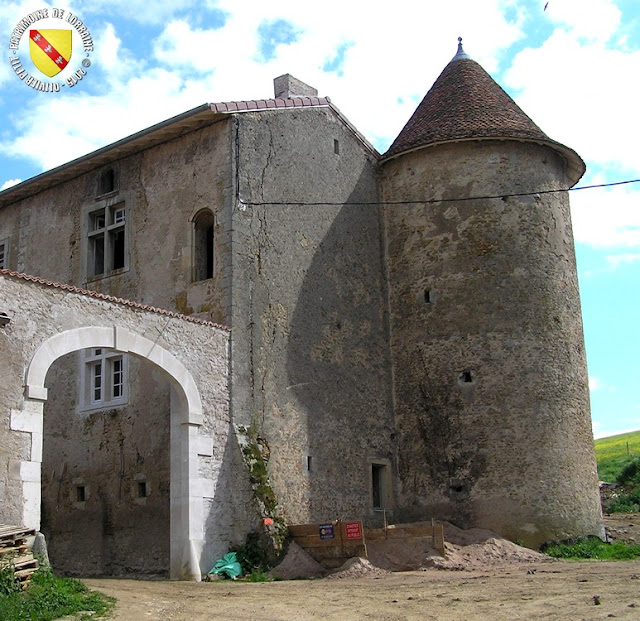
[{"x": 106, "y": 323}]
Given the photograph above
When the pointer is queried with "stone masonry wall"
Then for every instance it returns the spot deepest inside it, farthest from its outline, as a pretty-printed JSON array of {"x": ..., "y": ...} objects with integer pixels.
[
  {"x": 112, "y": 530},
  {"x": 162, "y": 189},
  {"x": 488, "y": 352},
  {"x": 310, "y": 358}
]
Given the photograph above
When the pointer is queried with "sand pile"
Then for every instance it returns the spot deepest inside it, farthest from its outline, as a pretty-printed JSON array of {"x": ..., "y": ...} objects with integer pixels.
[
  {"x": 400, "y": 554},
  {"x": 473, "y": 549},
  {"x": 490, "y": 553},
  {"x": 358, "y": 568},
  {"x": 297, "y": 564}
]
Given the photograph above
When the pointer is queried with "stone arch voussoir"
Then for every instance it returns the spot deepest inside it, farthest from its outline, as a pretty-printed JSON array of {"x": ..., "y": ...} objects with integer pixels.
[{"x": 186, "y": 417}]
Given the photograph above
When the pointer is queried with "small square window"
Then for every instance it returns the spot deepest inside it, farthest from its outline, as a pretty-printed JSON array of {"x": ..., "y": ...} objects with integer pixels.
[
  {"x": 97, "y": 221},
  {"x": 118, "y": 215},
  {"x": 81, "y": 493}
]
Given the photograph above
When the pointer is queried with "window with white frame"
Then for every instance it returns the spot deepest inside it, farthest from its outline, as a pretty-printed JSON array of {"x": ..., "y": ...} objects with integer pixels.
[
  {"x": 107, "y": 240},
  {"x": 104, "y": 378}
]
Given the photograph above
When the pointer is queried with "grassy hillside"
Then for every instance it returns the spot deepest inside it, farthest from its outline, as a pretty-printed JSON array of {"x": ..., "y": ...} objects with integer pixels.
[
  {"x": 615, "y": 452},
  {"x": 619, "y": 462}
]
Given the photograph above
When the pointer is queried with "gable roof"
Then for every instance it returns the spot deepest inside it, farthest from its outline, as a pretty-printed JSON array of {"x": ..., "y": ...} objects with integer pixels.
[
  {"x": 465, "y": 103},
  {"x": 164, "y": 131}
]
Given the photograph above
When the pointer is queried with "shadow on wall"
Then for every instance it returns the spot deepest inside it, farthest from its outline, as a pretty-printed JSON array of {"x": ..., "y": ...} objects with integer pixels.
[
  {"x": 230, "y": 512},
  {"x": 105, "y": 476},
  {"x": 338, "y": 364}
]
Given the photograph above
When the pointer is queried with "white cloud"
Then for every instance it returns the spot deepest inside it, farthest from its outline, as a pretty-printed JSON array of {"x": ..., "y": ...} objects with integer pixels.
[
  {"x": 607, "y": 217},
  {"x": 10, "y": 183},
  {"x": 582, "y": 96},
  {"x": 596, "y": 383},
  {"x": 616, "y": 260},
  {"x": 391, "y": 57},
  {"x": 593, "y": 20}
]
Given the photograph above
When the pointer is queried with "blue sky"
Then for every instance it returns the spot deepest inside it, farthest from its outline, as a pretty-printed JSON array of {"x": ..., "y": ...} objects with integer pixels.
[{"x": 573, "y": 68}]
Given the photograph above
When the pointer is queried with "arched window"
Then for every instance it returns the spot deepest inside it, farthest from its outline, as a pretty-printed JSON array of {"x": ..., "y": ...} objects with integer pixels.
[{"x": 203, "y": 224}]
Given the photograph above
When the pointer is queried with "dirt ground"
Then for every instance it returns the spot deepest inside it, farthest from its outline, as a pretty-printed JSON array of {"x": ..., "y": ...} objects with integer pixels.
[{"x": 510, "y": 585}]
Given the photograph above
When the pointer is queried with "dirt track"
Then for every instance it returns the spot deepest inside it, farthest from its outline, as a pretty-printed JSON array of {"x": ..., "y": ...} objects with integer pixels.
[
  {"x": 556, "y": 591},
  {"x": 524, "y": 590}
]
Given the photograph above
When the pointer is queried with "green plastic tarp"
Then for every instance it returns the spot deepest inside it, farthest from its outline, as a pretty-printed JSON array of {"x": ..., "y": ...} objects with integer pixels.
[{"x": 227, "y": 566}]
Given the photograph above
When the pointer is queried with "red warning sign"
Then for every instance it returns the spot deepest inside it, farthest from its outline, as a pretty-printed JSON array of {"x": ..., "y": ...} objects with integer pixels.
[{"x": 353, "y": 530}]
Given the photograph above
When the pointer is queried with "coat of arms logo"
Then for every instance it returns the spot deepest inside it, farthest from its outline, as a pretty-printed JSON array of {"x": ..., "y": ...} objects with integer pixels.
[
  {"x": 50, "y": 50},
  {"x": 41, "y": 47}
]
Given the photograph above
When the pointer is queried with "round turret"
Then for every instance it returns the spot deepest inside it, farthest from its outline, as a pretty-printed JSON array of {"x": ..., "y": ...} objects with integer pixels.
[{"x": 491, "y": 388}]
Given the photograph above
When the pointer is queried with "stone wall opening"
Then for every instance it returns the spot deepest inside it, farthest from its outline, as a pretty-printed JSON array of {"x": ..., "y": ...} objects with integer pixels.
[
  {"x": 106, "y": 470},
  {"x": 184, "y": 419}
]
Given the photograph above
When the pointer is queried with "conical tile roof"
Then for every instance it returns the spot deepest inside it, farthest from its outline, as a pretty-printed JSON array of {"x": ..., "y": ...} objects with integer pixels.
[{"x": 465, "y": 103}]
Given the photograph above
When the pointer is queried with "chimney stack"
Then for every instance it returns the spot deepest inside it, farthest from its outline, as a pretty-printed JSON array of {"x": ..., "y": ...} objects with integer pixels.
[{"x": 286, "y": 86}]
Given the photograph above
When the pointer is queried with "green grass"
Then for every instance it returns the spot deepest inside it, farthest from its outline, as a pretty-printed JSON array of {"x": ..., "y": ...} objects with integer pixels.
[
  {"x": 615, "y": 452},
  {"x": 594, "y": 548},
  {"x": 618, "y": 460},
  {"x": 49, "y": 597}
]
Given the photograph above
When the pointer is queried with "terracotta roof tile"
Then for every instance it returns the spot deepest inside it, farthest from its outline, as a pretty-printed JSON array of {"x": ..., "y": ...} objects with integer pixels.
[
  {"x": 108, "y": 298},
  {"x": 269, "y": 104},
  {"x": 465, "y": 103}
]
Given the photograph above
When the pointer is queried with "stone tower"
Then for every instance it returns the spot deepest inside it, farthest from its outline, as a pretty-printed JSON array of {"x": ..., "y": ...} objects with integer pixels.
[{"x": 490, "y": 378}]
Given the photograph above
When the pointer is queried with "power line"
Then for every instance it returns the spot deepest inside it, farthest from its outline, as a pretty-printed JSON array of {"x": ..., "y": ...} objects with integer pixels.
[
  {"x": 432, "y": 201},
  {"x": 604, "y": 185}
]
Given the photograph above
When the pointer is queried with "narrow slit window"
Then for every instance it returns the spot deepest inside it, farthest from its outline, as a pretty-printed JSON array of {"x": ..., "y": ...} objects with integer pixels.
[
  {"x": 142, "y": 489},
  {"x": 81, "y": 493},
  {"x": 378, "y": 472}
]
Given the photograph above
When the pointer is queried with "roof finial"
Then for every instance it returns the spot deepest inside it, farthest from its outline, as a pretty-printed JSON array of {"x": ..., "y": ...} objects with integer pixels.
[{"x": 461, "y": 53}]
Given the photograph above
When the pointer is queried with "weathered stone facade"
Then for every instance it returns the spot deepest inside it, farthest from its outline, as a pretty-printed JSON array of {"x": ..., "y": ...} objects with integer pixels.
[
  {"x": 487, "y": 342},
  {"x": 405, "y": 330},
  {"x": 192, "y": 482}
]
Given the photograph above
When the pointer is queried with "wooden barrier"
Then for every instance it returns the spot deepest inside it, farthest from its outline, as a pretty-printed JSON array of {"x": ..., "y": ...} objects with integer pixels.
[{"x": 332, "y": 544}]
